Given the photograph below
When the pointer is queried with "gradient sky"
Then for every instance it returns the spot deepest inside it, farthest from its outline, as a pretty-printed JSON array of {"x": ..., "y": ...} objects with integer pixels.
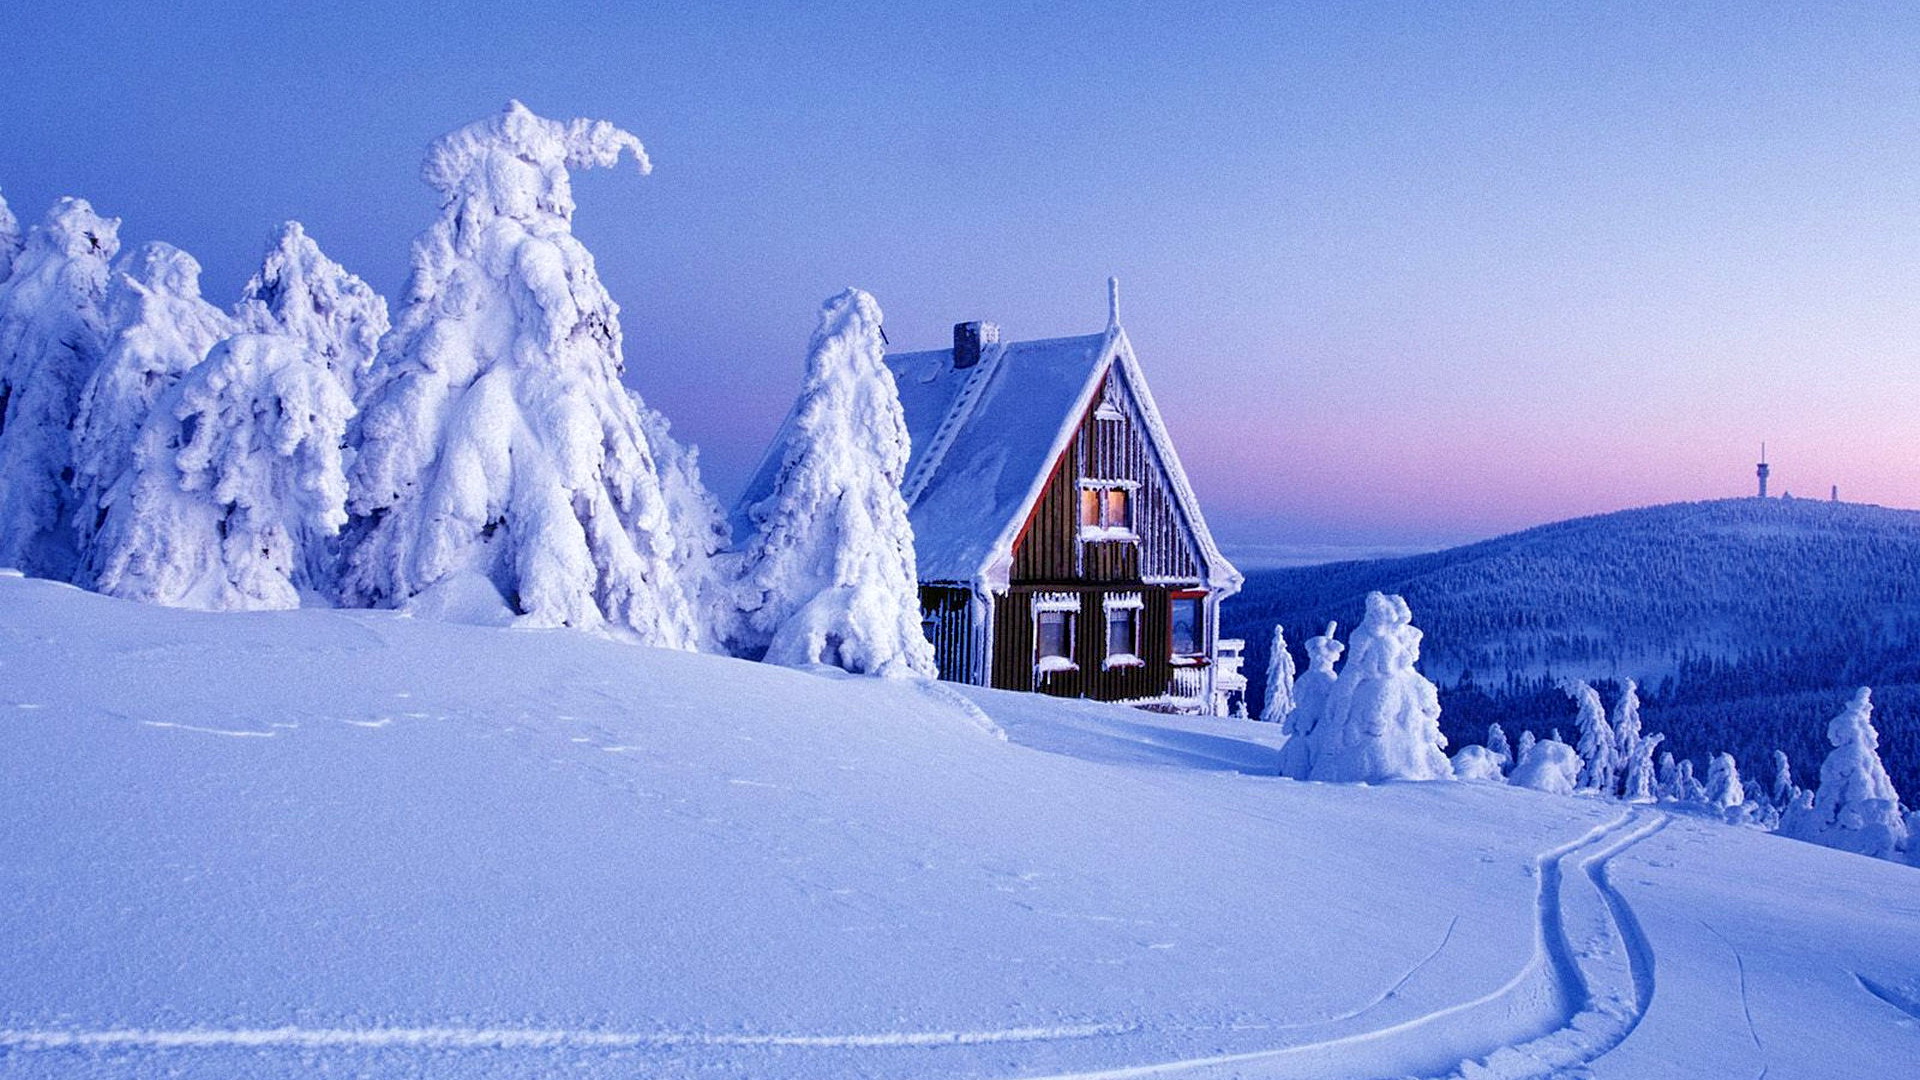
[{"x": 1401, "y": 274}]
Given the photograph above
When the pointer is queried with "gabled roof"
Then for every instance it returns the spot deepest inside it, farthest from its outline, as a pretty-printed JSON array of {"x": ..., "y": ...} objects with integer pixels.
[{"x": 986, "y": 438}]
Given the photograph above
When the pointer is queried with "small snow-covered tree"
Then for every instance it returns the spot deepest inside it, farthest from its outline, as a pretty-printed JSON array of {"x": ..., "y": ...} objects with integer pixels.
[
  {"x": 1550, "y": 766},
  {"x": 158, "y": 328},
  {"x": 1640, "y": 784},
  {"x": 1626, "y": 724},
  {"x": 1785, "y": 792},
  {"x": 1724, "y": 790},
  {"x": 700, "y": 533},
  {"x": 1311, "y": 693},
  {"x": 1523, "y": 744},
  {"x": 1598, "y": 748},
  {"x": 1280, "y": 675},
  {"x": 1686, "y": 786},
  {"x": 828, "y": 576},
  {"x": 1383, "y": 719},
  {"x": 1668, "y": 785},
  {"x": 301, "y": 293},
  {"x": 1856, "y": 807},
  {"x": 1497, "y": 743},
  {"x": 10, "y": 239},
  {"x": 52, "y": 335},
  {"x": 236, "y": 478},
  {"x": 497, "y": 442}
]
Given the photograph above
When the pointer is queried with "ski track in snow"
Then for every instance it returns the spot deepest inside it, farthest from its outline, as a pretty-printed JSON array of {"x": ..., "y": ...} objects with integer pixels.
[
  {"x": 1576, "y": 980},
  {"x": 458, "y": 1038},
  {"x": 1905, "y": 1003}
]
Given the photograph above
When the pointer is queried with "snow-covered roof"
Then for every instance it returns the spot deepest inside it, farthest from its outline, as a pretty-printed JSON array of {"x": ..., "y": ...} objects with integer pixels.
[{"x": 985, "y": 440}]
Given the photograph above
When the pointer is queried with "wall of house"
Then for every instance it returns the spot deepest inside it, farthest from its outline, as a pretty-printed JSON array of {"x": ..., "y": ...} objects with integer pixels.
[
  {"x": 1050, "y": 551},
  {"x": 1013, "y": 659}
]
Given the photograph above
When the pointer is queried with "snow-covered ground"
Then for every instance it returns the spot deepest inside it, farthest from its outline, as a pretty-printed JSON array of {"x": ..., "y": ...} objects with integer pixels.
[{"x": 353, "y": 842}]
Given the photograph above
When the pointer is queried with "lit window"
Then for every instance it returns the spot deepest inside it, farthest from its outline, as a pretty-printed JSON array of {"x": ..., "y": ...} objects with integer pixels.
[
  {"x": 1117, "y": 506},
  {"x": 1186, "y": 626},
  {"x": 1106, "y": 509},
  {"x": 1090, "y": 507}
]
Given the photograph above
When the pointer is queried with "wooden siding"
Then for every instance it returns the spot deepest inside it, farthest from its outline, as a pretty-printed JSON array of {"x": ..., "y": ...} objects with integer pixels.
[
  {"x": 1109, "y": 445},
  {"x": 1014, "y": 660},
  {"x": 948, "y": 619}
]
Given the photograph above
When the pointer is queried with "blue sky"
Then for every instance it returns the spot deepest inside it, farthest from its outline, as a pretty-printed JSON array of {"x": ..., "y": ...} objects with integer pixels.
[{"x": 1401, "y": 273}]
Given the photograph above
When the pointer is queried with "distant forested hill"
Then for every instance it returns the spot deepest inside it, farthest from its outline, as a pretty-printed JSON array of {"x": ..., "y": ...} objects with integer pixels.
[{"x": 1746, "y": 621}]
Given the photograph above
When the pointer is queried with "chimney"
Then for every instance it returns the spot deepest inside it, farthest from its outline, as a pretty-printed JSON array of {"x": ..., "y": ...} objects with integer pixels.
[{"x": 969, "y": 339}]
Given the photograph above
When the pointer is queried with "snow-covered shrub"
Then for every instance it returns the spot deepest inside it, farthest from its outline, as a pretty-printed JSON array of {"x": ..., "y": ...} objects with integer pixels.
[
  {"x": 52, "y": 335},
  {"x": 1477, "y": 763},
  {"x": 828, "y": 575},
  {"x": 1686, "y": 786},
  {"x": 1785, "y": 792},
  {"x": 236, "y": 480},
  {"x": 1856, "y": 807},
  {"x": 1598, "y": 748},
  {"x": 1550, "y": 765},
  {"x": 301, "y": 293},
  {"x": 158, "y": 328},
  {"x": 497, "y": 438},
  {"x": 1497, "y": 744},
  {"x": 1280, "y": 673},
  {"x": 1311, "y": 693},
  {"x": 1383, "y": 719},
  {"x": 10, "y": 239}
]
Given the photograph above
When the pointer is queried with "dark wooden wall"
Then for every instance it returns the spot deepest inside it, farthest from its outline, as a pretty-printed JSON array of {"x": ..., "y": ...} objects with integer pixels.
[
  {"x": 1013, "y": 660},
  {"x": 949, "y": 626}
]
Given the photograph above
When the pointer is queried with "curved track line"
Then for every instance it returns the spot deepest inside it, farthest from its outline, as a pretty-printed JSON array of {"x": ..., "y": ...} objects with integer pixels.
[{"x": 1554, "y": 972}]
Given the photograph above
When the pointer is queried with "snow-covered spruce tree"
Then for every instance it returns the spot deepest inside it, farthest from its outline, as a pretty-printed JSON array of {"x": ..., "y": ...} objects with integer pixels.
[
  {"x": 1724, "y": 790},
  {"x": 1626, "y": 724},
  {"x": 1497, "y": 744},
  {"x": 1311, "y": 692},
  {"x": 301, "y": 293},
  {"x": 1598, "y": 748},
  {"x": 158, "y": 328},
  {"x": 1687, "y": 787},
  {"x": 1856, "y": 807},
  {"x": 1383, "y": 719},
  {"x": 52, "y": 335},
  {"x": 1785, "y": 792},
  {"x": 10, "y": 239},
  {"x": 700, "y": 533},
  {"x": 1640, "y": 783},
  {"x": 237, "y": 477},
  {"x": 828, "y": 575},
  {"x": 497, "y": 442},
  {"x": 1523, "y": 744},
  {"x": 1280, "y": 675}
]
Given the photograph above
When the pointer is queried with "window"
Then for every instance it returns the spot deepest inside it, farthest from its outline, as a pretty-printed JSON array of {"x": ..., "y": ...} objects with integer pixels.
[
  {"x": 1055, "y": 638},
  {"x": 1187, "y": 628},
  {"x": 1106, "y": 510},
  {"x": 1123, "y": 630}
]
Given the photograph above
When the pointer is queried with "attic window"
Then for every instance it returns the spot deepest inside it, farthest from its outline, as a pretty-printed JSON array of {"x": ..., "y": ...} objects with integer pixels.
[{"x": 1106, "y": 510}]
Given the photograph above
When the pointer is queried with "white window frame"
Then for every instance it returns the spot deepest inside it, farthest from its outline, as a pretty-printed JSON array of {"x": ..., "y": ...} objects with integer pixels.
[
  {"x": 1110, "y": 603},
  {"x": 1107, "y": 530},
  {"x": 1061, "y": 603}
]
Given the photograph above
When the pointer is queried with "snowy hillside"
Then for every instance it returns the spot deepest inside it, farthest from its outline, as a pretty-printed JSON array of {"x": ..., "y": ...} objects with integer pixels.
[
  {"x": 353, "y": 842},
  {"x": 1747, "y": 623}
]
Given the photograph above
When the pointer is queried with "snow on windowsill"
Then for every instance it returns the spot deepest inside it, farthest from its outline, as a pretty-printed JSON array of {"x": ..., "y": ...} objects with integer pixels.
[
  {"x": 1189, "y": 661},
  {"x": 1051, "y": 664},
  {"x": 1103, "y": 533},
  {"x": 1120, "y": 660}
]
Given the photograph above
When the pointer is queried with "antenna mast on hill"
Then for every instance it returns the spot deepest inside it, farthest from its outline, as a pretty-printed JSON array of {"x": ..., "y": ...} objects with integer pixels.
[{"x": 1761, "y": 470}]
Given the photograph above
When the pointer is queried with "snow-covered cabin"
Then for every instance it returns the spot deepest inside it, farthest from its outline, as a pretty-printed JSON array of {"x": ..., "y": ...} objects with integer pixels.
[{"x": 1060, "y": 546}]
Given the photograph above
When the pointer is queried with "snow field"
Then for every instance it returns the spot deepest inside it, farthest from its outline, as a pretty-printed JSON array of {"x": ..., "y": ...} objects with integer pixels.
[{"x": 355, "y": 842}]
